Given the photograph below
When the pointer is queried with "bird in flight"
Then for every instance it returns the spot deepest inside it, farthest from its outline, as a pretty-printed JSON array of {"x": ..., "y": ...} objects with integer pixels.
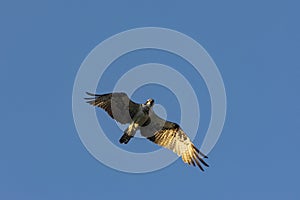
[{"x": 142, "y": 117}]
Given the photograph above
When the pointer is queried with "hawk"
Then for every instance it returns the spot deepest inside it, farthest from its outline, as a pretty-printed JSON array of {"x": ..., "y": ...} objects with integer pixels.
[{"x": 142, "y": 117}]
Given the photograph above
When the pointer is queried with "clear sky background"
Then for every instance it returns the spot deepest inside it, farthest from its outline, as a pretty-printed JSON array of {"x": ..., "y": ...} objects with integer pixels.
[{"x": 255, "y": 45}]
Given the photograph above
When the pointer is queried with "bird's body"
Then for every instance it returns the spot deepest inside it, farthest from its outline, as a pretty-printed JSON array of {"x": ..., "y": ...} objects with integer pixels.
[
  {"x": 142, "y": 117},
  {"x": 139, "y": 119}
]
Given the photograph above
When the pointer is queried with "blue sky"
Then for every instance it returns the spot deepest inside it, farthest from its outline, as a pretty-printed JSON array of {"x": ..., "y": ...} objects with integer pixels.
[{"x": 255, "y": 45}]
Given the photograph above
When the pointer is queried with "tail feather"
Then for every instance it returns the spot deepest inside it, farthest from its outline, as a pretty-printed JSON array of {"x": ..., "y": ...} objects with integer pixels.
[{"x": 125, "y": 138}]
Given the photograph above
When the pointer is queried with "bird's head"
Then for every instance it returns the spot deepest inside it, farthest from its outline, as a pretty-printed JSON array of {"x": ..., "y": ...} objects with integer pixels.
[{"x": 149, "y": 103}]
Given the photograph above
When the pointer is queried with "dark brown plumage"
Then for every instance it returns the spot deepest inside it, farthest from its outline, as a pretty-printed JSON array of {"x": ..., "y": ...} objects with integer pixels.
[{"x": 117, "y": 105}]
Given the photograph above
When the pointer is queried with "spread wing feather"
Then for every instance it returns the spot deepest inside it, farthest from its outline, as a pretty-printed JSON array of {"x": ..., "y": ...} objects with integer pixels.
[
  {"x": 171, "y": 136},
  {"x": 117, "y": 105}
]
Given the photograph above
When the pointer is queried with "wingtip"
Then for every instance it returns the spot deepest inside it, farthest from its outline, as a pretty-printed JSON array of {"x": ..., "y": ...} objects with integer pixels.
[
  {"x": 91, "y": 94},
  {"x": 202, "y": 154},
  {"x": 199, "y": 165},
  {"x": 90, "y": 99},
  {"x": 206, "y": 165},
  {"x": 198, "y": 151}
]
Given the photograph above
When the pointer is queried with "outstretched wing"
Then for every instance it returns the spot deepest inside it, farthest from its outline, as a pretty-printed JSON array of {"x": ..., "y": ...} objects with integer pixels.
[
  {"x": 171, "y": 136},
  {"x": 117, "y": 105}
]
